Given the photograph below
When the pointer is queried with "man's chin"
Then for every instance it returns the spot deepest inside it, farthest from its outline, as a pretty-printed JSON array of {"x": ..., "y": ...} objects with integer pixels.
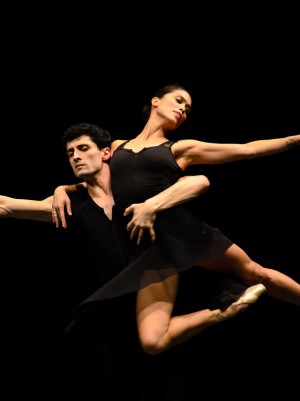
[{"x": 80, "y": 174}]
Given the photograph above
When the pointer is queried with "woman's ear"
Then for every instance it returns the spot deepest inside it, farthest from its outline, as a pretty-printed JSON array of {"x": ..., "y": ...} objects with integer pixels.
[{"x": 155, "y": 101}]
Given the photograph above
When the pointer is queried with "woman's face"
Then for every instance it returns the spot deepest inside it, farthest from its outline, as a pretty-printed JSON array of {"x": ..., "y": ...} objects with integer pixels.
[{"x": 173, "y": 107}]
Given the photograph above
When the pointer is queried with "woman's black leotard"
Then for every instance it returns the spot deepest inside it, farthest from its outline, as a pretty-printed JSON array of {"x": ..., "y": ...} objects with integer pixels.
[
  {"x": 138, "y": 176},
  {"x": 183, "y": 239}
]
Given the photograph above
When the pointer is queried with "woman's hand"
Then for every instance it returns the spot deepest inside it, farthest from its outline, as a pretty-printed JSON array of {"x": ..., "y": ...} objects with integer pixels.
[{"x": 61, "y": 202}]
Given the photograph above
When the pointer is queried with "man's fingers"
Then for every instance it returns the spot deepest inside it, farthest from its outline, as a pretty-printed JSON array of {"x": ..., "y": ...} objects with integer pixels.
[
  {"x": 140, "y": 236},
  {"x": 129, "y": 226},
  {"x": 152, "y": 234},
  {"x": 139, "y": 231},
  {"x": 128, "y": 210},
  {"x": 133, "y": 232}
]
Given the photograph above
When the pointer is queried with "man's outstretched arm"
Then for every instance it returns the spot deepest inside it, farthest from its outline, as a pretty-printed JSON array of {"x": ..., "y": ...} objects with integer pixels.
[{"x": 40, "y": 210}]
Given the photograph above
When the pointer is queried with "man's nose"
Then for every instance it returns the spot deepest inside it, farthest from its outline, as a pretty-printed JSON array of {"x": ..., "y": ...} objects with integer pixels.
[{"x": 76, "y": 155}]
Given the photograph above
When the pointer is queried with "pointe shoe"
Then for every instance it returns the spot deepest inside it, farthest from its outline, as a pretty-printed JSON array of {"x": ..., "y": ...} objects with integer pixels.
[{"x": 250, "y": 296}]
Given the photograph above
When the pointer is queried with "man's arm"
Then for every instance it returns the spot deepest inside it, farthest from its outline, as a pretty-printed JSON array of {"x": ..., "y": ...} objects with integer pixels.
[
  {"x": 28, "y": 209},
  {"x": 144, "y": 214}
]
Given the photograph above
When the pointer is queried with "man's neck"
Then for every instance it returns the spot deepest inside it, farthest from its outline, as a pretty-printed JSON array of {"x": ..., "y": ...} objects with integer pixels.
[{"x": 100, "y": 192}]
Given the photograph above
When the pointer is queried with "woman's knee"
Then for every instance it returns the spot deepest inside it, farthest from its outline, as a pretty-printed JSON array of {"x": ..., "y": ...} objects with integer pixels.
[
  {"x": 152, "y": 344},
  {"x": 259, "y": 274}
]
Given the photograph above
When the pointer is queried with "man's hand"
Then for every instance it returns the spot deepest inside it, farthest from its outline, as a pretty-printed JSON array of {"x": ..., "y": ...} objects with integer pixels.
[
  {"x": 61, "y": 201},
  {"x": 143, "y": 219}
]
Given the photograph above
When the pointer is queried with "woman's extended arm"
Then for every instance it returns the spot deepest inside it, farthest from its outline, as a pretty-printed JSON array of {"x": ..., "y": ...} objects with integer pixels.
[
  {"x": 189, "y": 151},
  {"x": 26, "y": 208}
]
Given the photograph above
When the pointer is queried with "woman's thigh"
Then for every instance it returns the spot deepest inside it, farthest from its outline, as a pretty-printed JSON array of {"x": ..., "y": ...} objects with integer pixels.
[
  {"x": 233, "y": 261},
  {"x": 155, "y": 305}
]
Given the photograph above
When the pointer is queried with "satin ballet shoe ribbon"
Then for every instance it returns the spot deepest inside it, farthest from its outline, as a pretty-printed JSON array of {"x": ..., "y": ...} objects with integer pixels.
[{"x": 218, "y": 315}]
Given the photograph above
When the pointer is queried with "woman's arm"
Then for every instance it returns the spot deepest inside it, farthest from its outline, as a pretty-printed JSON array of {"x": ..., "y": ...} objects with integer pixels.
[
  {"x": 62, "y": 202},
  {"x": 189, "y": 151},
  {"x": 26, "y": 208}
]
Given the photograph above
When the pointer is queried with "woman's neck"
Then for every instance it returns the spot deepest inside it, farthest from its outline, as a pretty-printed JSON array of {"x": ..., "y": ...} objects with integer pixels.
[{"x": 152, "y": 132}]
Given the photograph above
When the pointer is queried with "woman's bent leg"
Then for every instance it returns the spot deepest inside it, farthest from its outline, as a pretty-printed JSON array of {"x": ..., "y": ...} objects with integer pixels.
[{"x": 158, "y": 330}]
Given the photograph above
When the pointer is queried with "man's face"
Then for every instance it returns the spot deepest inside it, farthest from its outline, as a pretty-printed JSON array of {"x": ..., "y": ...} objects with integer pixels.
[{"x": 85, "y": 158}]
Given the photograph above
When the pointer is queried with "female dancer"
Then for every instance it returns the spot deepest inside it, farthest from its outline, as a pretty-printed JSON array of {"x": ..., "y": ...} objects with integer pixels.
[{"x": 149, "y": 163}]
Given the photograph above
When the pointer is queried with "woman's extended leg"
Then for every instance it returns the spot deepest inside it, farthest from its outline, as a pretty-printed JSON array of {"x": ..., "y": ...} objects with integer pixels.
[
  {"x": 159, "y": 330},
  {"x": 236, "y": 262}
]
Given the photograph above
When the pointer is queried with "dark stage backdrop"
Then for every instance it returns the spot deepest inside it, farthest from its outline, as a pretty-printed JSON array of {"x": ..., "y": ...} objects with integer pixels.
[{"x": 244, "y": 81}]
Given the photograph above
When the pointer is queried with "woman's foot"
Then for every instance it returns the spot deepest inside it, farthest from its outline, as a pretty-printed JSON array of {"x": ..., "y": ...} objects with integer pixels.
[{"x": 250, "y": 296}]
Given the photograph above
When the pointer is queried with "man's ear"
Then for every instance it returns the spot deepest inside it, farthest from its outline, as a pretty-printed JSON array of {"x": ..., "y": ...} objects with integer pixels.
[{"x": 106, "y": 155}]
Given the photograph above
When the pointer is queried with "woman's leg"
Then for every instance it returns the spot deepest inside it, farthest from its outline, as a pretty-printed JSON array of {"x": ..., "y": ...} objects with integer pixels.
[
  {"x": 236, "y": 262},
  {"x": 159, "y": 330}
]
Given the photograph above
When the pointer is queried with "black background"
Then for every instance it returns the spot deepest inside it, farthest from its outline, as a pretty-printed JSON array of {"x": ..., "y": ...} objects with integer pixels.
[{"x": 243, "y": 74}]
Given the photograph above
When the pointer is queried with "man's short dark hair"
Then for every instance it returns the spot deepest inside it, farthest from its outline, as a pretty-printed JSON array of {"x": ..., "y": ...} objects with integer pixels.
[{"x": 100, "y": 136}]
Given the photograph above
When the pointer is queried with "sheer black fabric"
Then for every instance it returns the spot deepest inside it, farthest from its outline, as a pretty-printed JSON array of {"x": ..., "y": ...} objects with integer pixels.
[{"x": 183, "y": 239}]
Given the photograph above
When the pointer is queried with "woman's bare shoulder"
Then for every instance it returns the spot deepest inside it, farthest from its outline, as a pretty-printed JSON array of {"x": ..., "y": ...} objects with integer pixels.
[
  {"x": 117, "y": 143},
  {"x": 183, "y": 144}
]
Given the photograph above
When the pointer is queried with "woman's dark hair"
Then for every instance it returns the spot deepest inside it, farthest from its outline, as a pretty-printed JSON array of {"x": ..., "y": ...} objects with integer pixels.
[
  {"x": 100, "y": 136},
  {"x": 161, "y": 92}
]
